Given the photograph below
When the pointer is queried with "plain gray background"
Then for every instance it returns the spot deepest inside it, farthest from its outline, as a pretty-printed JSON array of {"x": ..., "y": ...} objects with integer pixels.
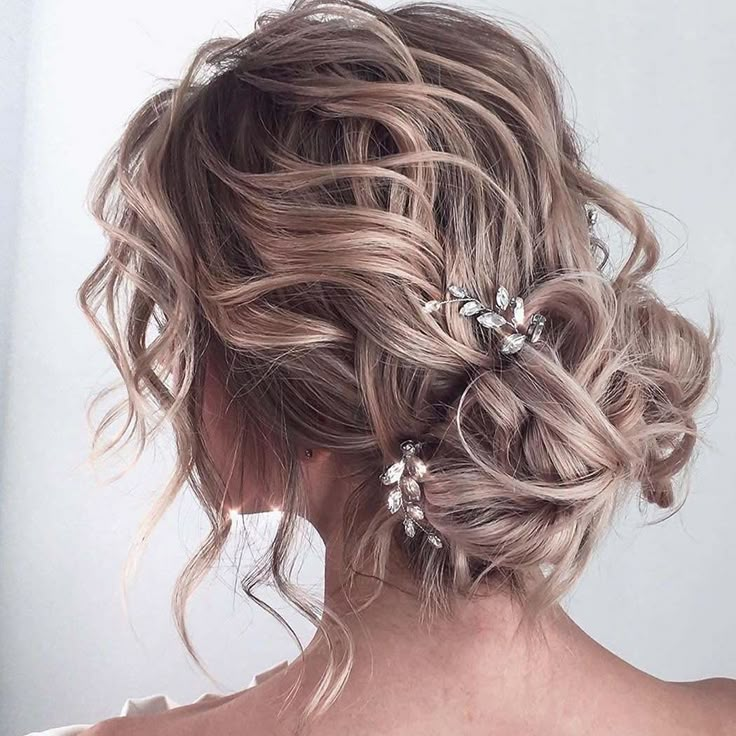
[{"x": 654, "y": 96}]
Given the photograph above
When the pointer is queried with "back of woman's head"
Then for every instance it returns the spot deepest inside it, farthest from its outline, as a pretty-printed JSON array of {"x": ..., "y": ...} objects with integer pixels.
[{"x": 291, "y": 206}]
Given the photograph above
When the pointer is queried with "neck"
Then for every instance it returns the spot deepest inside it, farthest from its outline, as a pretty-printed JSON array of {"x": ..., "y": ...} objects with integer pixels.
[
  {"x": 483, "y": 659},
  {"x": 484, "y": 633},
  {"x": 394, "y": 651}
]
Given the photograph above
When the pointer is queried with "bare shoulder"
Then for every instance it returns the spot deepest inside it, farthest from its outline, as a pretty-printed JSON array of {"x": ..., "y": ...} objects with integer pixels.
[
  {"x": 186, "y": 720},
  {"x": 710, "y": 705},
  {"x": 124, "y": 726},
  {"x": 700, "y": 708},
  {"x": 110, "y": 727},
  {"x": 210, "y": 714},
  {"x": 719, "y": 692},
  {"x": 142, "y": 726}
]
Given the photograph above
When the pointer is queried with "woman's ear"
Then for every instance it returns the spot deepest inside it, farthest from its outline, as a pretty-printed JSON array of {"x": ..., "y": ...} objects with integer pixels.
[
  {"x": 315, "y": 462},
  {"x": 325, "y": 493}
]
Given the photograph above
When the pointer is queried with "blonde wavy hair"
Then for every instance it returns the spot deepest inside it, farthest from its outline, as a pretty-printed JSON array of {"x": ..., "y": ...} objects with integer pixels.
[{"x": 290, "y": 205}]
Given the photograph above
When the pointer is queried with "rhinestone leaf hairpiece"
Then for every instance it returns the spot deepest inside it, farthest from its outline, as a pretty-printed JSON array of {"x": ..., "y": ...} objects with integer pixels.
[
  {"x": 405, "y": 477},
  {"x": 507, "y": 317}
]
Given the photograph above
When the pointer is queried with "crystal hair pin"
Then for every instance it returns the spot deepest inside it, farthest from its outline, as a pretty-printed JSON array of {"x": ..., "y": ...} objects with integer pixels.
[
  {"x": 406, "y": 495},
  {"x": 507, "y": 317}
]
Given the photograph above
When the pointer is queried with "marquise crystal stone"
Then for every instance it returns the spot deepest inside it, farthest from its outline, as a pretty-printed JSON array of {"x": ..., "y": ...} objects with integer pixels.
[
  {"x": 513, "y": 343},
  {"x": 536, "y": 325},
  {"x": 415, "y": 512},
  {"x": 434, "y": 540},
  {"x": 458, "y": 292},
  {"x": 518, "y": 310},
  {"x": 394, "y": 500},
  {"x": 592, "y": 217},
  {"x": 470, "y": 308},
  {"x": 393, "y": 473},
  {"x": 417, "y": 468},
  {"x": 410, "y": 487},
  {"x": 431, "y": 306},
  {"x": 502, "y": 298},
  {"x": 409, "y": 527},
  {"x": 491, "y": 319}
]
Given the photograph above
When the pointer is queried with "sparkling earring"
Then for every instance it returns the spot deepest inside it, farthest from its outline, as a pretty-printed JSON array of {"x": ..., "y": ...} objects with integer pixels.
[{"x": 309, "y": 452}]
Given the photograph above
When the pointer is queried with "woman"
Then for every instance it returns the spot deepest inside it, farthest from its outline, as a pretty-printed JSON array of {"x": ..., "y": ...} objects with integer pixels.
[{"x": 366, "y": 242}]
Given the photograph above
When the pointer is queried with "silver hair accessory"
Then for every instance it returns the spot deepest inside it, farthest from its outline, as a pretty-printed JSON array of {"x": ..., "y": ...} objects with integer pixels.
[
  {"x": 406, "y": 495},
  {"x": 507, "y": 318},
  {"x": 592, "y": 215}
]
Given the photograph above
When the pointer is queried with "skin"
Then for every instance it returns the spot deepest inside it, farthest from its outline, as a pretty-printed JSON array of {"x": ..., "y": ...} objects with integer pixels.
[{"x": 477, "y": 673}]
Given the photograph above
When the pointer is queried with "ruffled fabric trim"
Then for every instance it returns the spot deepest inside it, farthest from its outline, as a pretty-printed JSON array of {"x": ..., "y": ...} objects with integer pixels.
[{"x": 153, "y": 704}]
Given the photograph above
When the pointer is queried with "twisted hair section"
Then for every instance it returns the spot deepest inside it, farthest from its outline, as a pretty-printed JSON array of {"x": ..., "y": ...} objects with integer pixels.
[{"x": 292, "y": 203}]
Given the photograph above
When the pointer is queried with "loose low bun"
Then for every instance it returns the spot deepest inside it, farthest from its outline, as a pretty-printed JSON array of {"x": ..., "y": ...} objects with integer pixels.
[{"x": 538, "y": 450}]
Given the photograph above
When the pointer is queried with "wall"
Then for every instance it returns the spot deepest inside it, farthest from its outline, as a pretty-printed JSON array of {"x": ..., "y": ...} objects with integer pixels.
[
  {"x": 14, "y": 34},
  {"x": 651, "y": 82}
]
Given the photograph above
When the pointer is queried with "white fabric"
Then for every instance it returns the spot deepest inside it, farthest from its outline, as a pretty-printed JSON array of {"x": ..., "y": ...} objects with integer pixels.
[{"x": 150, "y": 705}]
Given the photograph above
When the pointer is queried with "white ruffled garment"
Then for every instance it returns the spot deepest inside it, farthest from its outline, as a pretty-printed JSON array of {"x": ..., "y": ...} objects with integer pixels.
[{"x": 150, "y": 705}]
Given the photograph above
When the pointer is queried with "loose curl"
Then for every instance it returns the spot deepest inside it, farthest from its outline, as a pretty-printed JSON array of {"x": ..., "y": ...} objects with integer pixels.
[{"x": 292, "y": 203}]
